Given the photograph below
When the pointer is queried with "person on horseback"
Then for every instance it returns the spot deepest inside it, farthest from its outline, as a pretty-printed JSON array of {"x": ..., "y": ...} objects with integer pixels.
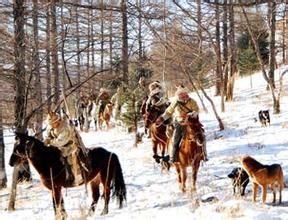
[
  {"x": 117, "y": 101},
  {"x": 180, "y": 107},
  {"x": 141, "y": 94},
  {"x": 62, "y": 134},
  {"x": 103, "y": 99},
  {"x": 156, "y": 96}
]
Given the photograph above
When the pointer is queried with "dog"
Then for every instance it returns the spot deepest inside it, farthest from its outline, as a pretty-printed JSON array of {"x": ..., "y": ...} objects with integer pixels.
[
  {"x": 264, "y": 175},
  {"x": 264, "y": 117},
  {"x": 240, "y": 180}
]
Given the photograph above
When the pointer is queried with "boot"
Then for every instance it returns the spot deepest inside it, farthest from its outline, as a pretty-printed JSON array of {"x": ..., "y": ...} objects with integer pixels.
[{"x": 174, "y": 158}]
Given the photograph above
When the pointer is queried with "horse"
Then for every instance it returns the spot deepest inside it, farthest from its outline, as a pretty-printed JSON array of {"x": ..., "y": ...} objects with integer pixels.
[
  {"x": 105, "y": 116},
  {"x": 83, "y": 108},
  {"x": 191, "y": 151},
  {"x": 104, "y": 168},
  {"x": 160, "y": 134}
]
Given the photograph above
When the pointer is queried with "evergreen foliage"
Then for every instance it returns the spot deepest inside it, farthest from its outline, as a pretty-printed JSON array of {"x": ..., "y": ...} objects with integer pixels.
[{"x": 247, "y": 60}]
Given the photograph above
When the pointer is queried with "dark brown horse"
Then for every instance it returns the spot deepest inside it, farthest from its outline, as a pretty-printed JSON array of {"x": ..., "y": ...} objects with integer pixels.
[
  {"x": 191, "y": 152},
  {"x": 105, "y": 116},
  {"x": 159, "y": 133},
  {"x": 104, "y": 166}
]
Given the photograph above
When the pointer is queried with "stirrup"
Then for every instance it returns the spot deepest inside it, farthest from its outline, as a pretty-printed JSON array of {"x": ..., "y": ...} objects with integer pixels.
[{"x": 166, "y": 158}]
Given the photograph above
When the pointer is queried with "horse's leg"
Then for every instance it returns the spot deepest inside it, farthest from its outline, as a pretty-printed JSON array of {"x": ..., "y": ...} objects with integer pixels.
[
  {"x": 183, "y": 178},
  {"x": 58, "y": 203},
  {"x": 106, "y": 181},
  {"x": 154, "y": 149},
  {"x": 195, "y": 168},
  {"x": 177, "y": 166},
  {"x": 94, "y": 184}
]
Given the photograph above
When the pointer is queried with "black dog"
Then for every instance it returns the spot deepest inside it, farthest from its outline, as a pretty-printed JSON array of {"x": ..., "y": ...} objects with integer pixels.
[
  {"x": 264, "y": 117},
  {"x": 240, "y": 179}
]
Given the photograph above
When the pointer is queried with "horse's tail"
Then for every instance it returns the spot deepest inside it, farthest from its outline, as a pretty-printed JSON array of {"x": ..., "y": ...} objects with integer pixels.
[{"x": 119, "y": 183}]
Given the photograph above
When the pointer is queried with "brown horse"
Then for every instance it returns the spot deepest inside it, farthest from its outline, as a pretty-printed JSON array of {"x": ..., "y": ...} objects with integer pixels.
[
  {"x": 105, "y": 116},
  {"x": 159, "y": 133},
  {"x": 104, "y": 167},
  {"x": 191, "y": 152}
]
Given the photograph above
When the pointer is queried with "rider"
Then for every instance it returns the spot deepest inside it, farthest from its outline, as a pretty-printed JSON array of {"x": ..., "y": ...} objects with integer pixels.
[
  {"x": 156, "y": 96},
  {"x": 117, "y": 101},
  {"x": 103, "y": 99},
  {"x": 181, "y": 106},
  {"x": 62, "y": 134},
  {"x": 141, "y": 94}
]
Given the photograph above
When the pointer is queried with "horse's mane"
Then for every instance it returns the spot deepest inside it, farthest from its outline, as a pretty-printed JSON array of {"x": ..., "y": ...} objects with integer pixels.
[{"x": 38, "y": 143}]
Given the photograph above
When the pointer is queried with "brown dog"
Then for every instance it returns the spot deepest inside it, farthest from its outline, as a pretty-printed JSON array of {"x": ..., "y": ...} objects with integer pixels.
[{"x": 263, "y": 175}]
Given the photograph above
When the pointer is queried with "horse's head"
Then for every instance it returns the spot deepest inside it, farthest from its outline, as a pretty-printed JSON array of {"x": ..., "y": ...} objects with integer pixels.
[
  {"x": 192, "y": 119},
  {"x": 151, "y": 116},
  {"x": 19, "y": 150}
]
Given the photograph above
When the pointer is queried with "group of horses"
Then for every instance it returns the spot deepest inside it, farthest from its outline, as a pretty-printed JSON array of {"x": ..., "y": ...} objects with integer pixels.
[
  {"x": 87, "y": 111},
  {"x": 191, "y": 150},
  {"x": 104, "y": 166}
]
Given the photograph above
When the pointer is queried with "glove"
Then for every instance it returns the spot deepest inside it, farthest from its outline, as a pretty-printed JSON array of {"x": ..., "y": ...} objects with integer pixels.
[{"x": 159, "y": 121}]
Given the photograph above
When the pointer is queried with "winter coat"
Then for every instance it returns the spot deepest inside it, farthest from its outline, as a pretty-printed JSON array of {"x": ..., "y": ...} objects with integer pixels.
[
  {"x": 180, "y": 109},
  {"x": 64, "y": 137}
]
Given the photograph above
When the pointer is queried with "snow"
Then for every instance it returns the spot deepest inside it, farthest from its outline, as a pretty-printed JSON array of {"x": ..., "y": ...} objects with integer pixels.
[{"x": 155, "y": 194}]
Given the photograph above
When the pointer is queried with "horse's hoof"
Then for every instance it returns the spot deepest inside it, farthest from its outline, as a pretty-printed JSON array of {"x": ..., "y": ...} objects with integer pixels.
[
  {"x": 157, "y": 158},
  {"x": 104, "y": 212}
]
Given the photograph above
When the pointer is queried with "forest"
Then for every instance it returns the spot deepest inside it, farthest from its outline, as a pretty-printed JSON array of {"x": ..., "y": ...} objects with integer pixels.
[{"x": 55, "y": 48}]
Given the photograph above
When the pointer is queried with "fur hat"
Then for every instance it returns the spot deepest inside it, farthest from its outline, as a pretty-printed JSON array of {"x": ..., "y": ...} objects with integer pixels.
[
  {"x": 182, "y": 94},
  {"x": 53, "y": 117},
  {"x": 154, "y": 85}
]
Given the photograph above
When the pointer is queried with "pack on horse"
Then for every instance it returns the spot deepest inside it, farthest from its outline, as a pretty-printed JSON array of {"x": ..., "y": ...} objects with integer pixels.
[
  {"x": 160, "y": 134},
  {"x": 104, "y": 167},
  {"x": 105, "y": 116},
  {"x": 191, "y": 150}
]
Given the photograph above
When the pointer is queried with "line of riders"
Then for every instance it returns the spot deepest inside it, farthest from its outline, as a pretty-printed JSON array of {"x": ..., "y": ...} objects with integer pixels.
[{"x": 61, "y": 131}]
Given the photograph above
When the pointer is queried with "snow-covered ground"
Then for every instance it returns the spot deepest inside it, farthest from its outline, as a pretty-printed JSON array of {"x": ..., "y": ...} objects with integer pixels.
[{"x": 155, "y": 194}]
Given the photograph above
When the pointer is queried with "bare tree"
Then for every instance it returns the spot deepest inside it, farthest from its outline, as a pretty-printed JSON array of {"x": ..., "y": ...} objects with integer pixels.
[
  {"x": 233, "y": 53},
  {"x": 3, "y": 177},
  {"x": 20, "y": 85},
  {"x": 36, "y": 71},
  {"x": 272, "y": 28},
  {"x": 54, "y": 52},
  {"x": 276, "y": 99},
  {"x": 124, "y": 41},
  {"x": 48, "y": 60}
]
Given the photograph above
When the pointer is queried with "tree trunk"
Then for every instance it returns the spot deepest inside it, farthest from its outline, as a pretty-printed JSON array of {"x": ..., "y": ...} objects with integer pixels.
[
  {"x": 272, "y": 24},
  {"x": 225, "y": 47},
  {"x": 219, "y": 77},
  {"x": 78, "y": 50},
  {"x": 3, "y": 177},
  {"x": 54, "y": 53},
  {"x": 140, "y": 56},
  {"x": 48, "y": 60},
  {"x": 102, "y": 37},
  {"x": 199, "y": 29},
  {"x": 20, "y": 93},
  {"x": 124, "y": 41},
  {"x": 36, "y": 71},
  {"x": 233, "y": 52},
  {"x": 111, "y": 42}
]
